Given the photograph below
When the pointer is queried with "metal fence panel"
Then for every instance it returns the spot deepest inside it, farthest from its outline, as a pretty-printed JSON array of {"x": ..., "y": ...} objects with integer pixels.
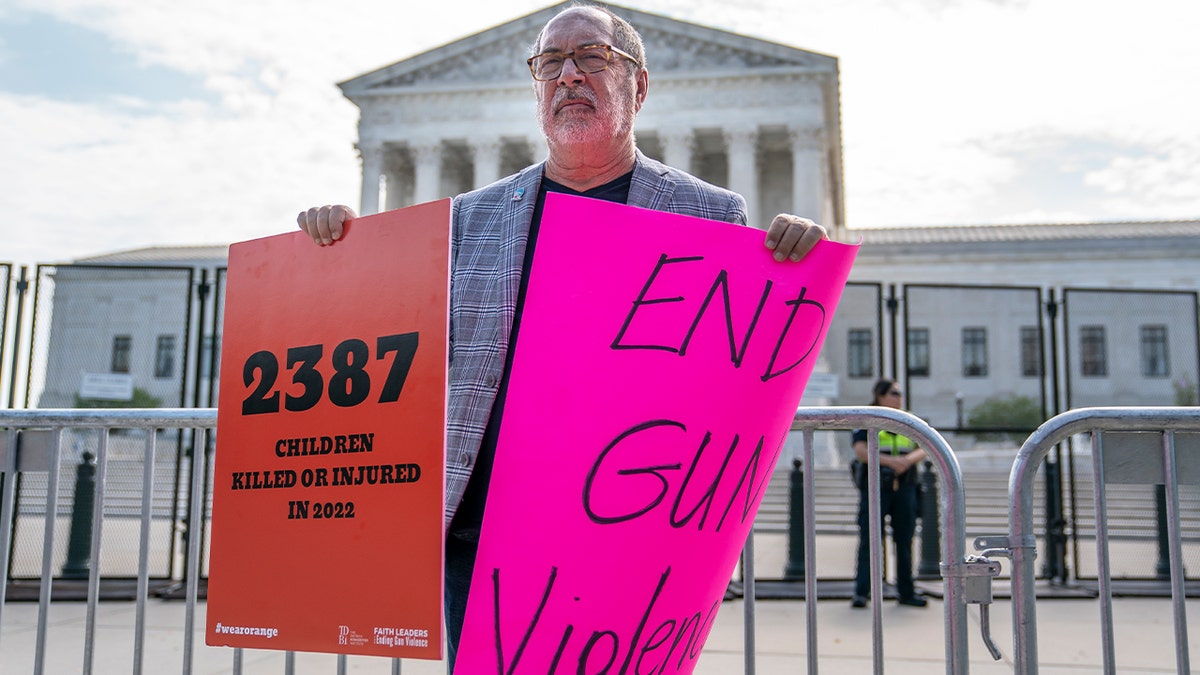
[
  {"x": 126, "y": 320},
  {"x": 43, "y": 456},
  {"x": 34, "y": 442},
  {"x": 100, "y": 334},
  {"x": 1169, "y": 461},
  {"x": 854, "y": 348},
  {"x": 975, "y": 351},
  {"x": 956, "y": 568},
  {"x": 1127, "y": 348},
  {"x": 125, "y": 468}
]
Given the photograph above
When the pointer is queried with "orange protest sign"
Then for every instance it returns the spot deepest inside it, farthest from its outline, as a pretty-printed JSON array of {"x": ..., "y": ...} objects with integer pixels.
[{"x": 328, "y": 476}]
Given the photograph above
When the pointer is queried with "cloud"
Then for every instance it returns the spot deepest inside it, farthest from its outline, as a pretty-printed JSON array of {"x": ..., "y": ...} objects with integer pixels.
[
  {"x": 1165, "y": 175},
  {"x": 275, "y": 136},
  {"x": 954, "y": 111},
  {"x": 181, "y": 175}
]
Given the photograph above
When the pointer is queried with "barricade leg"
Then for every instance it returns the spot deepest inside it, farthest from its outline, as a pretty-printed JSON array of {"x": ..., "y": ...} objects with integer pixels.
[
  {"x": 931, "y": 541},
  {"x": 79, "y": 543},
  {"x": 1055, "y": 567},
  {"x": 794, "y": 570}
]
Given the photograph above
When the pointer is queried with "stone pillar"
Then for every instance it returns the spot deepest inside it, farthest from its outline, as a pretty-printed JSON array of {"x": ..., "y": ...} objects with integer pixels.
[
  {"x": 678, "y": 146},
  {"x": 427, "y": 158},
  {"x": 371, "y": 155},
  {"x": 486, "y": 156},
  {"x": 808, "y": 180},
  {"x": 741, "y": 144},
  {"x": 393, "y": 196}
]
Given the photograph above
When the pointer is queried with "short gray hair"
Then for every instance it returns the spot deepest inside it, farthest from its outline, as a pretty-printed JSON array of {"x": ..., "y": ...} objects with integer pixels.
[{"x": 625, "y": 36}]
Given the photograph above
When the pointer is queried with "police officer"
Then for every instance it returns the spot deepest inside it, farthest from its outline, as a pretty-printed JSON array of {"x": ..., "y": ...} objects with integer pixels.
[{"x": 898, "y": 459}]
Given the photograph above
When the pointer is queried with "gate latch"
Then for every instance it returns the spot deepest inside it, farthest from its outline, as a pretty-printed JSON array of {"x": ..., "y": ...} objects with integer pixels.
[{"x": 977, "y": 573}]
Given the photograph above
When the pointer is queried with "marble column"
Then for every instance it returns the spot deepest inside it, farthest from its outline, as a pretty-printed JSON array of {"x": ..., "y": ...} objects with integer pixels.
[
  {"x": 678, "y": 147},
  {"x": 371, "y": 155},
  {"x": 486, "y": 156},
  {"x": 389, "y": 189},
  {"x": 427, "y": 158},
  {"x": 808, "y": 180},
  {"x": 741, "y": 144}
]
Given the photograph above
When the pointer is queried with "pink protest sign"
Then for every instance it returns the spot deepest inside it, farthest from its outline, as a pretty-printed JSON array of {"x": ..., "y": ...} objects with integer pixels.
[{"x": 659, "y": 364}]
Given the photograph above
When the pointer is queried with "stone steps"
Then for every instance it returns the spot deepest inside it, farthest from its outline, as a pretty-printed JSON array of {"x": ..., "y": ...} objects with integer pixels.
[{"x": 1131, "y": 508}]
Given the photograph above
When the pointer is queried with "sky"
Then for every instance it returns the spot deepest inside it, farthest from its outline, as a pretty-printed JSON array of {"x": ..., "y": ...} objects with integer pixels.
[{"x": 134, "y": 123}]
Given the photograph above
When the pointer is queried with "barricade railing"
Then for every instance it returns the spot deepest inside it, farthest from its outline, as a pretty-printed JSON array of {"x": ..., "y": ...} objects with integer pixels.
[
  {"x": 31, "y": 441},
  {"x": 960, "y": 574},
  {"x": 1116, "y": 462}
]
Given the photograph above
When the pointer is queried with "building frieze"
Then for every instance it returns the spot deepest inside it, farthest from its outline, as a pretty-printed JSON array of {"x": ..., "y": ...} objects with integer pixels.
[{"x": 742, "y": 91}]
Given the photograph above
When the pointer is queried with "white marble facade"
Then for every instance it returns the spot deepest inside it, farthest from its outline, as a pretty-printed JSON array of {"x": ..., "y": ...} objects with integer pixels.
[
  {"x": 762, "y": 119},
  {"x": 758, "y": 117}
]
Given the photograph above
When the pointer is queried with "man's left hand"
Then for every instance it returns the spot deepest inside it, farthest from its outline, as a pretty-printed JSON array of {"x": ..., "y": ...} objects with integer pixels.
[{"x": 792, "y": 237}]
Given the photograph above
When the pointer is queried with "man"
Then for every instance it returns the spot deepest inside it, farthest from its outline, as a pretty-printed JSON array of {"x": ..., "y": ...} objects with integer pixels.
[{"x": 590, "y": 81}]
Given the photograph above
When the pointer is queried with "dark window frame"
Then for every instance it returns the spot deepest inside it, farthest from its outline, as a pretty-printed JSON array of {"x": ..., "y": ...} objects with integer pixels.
[
  {"x": 1031, "y": 351},
  {"x": 974, "y": 351},
  {"x": 1155, "y": 350},
  {"x": 122, "y": 350},
  {"x": 856, "y": 340},
  {"x": 917, "y": 352},
  {"x": 1093, "y": 351},
  {"x": 164, "y": 357}
]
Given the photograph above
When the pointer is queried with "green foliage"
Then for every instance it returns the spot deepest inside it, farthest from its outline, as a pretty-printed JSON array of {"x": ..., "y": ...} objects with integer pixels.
[
  {"x": 1185, "y": 391},
  {"x": 1008, "y": 412},
  {"x": 141, "y": 399}
]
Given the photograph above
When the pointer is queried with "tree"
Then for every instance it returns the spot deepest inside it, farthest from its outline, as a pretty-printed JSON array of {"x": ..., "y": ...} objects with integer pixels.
[
  {"x": 1185, "y": 391},
  {"x": 1015, "y": 415},
  {"x": 141, "y": 399}
]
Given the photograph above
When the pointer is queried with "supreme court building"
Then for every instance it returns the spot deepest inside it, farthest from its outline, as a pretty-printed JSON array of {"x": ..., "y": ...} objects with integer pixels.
[
  {"x": 1066, "y": 315},
  {"x": 758, "y": 117}
]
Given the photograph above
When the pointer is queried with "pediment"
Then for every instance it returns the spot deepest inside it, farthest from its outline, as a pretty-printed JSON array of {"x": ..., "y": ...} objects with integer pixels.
[{"x": 496, "y": 56}]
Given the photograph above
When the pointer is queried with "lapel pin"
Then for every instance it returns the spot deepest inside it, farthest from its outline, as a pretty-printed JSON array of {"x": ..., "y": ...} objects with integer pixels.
[{"x": 518, "y": 194}]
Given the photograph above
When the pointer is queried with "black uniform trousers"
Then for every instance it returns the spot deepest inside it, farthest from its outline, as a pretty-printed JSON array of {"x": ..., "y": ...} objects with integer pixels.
[{"x": 897, "y": 505}]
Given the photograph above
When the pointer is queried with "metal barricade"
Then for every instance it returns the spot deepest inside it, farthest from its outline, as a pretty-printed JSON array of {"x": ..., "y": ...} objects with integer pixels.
[
  {"x": 31, "y": 441},
  {"x": 961, "y": 576},
  {"x": 1110, "y": 464}
]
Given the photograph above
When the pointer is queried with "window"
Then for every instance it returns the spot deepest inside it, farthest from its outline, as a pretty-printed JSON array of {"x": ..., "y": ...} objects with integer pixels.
[
  {"x": 164, "y": 357},
  {"x": 1031, "y": 352},
  {"x": 860, "y": 353},
  {"x": 1154, "y": 351},
  {"x": 974, "y": 352},
  {"x": 917, "y": 345},
  {"x": 121, "y": 346},
  {"x": 1093, "y": 351}
]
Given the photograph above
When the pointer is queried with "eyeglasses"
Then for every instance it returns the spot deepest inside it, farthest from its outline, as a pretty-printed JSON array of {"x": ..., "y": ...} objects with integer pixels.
[
  {"x": 588, "y": 59},
  {"x": 895, "y": 392}
]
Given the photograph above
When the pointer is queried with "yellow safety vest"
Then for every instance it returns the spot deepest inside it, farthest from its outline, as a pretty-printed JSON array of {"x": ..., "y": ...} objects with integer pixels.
[{"x": 895, "y": 444}]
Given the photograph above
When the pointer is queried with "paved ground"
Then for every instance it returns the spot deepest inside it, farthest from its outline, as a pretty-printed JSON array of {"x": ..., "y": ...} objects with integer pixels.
[
  {"x": 913, "y": 642},
  {"x": 1069, "y": 642}
]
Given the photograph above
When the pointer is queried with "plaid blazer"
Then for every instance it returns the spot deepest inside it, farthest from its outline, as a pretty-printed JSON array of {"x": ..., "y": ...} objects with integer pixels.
[{"x": 488, "y": 233}]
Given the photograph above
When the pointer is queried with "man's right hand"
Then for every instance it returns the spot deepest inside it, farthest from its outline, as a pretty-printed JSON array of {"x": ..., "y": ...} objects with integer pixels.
[{"x": 325, "y": 223}]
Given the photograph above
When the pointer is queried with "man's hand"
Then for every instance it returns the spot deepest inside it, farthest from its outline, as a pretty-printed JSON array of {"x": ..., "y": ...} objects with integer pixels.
[
  {"x": 325, "y": 223},
  {"x": 792, "y": 237}
]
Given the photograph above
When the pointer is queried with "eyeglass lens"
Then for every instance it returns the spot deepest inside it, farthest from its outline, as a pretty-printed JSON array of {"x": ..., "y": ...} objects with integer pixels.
[{"x": 589, "y": 60}]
